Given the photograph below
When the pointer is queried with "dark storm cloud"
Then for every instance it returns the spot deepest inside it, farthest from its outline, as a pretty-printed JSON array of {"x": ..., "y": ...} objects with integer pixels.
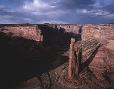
[
  {"x": 110, "y": 7},
  {"x": 6, "y": 12},
  {"x": 8, "y": 16},
  {"x": 59, "y": 11},
  {"x": 75, "y": 4}
]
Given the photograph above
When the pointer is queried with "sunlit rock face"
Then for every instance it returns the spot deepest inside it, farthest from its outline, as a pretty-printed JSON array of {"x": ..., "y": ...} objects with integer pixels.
[
  {"x": 29, "y": 32},
  {"x": 71, "y": 28},
  {"x": 100, "y": 32},
  {"x": 20, "y": 45},
  {"x": 102, "y": 65},
  {"x": 110, "y": 45},
  {"x": 20, "y": 54}
]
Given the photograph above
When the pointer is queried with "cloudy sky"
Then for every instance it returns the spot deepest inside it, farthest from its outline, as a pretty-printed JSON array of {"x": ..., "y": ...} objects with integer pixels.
[{"x": 57, "y": 11}]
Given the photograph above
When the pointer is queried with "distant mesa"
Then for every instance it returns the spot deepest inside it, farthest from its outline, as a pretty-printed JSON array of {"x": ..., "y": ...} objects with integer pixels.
[{"x": 46, "y": 23}]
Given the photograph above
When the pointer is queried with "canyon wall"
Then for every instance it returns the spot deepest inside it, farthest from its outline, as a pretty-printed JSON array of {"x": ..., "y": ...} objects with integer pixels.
[
  {"x": 27, "y": 31},
  {"x": 101, "y": 64},
  {"x": 103, "y": 33},
  {"x": 71, "y": 28}
]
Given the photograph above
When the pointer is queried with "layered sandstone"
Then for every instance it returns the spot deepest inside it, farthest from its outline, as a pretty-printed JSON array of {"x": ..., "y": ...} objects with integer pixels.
[
  {"x": 100, "y": 32},
  {"x": 70, "y": 28},
  {"x": 29, "y": 32},
  {"x": 97, "y": 72}
]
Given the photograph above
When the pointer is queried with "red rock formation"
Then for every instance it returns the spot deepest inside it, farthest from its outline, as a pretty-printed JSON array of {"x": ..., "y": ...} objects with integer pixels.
[
  {"x": 101, "y": 32},
  {"x": 73, "y": 67},
  {"x": 67, "y": 27},
  {"x": 72, "y": 61},
  {"x": 28, "y": 32}
]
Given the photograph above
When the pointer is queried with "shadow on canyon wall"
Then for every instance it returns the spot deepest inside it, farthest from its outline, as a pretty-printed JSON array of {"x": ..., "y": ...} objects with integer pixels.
[
  {"x": 21, "y": 59},
  {"x": 89, "y": 60}
]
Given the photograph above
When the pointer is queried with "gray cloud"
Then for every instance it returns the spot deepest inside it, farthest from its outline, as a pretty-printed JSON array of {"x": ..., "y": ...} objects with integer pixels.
[
  {"x": 59, "y": 11},
  {"x": 75, "y": 4}
]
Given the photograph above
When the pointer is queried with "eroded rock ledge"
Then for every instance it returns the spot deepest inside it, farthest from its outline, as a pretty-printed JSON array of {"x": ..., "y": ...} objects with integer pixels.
[{"x": 32, "y": 54}]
